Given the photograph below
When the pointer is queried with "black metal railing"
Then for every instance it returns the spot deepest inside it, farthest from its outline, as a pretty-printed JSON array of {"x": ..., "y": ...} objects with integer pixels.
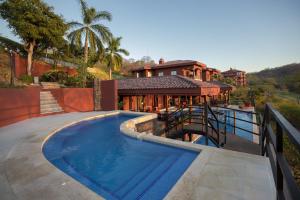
[{"x": 272, "y": 142}]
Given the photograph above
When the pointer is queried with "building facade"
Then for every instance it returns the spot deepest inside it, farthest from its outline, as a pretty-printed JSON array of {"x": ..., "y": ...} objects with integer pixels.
[
  {"x": 238, "y": 76},
  {"x": 187, "y": 68},
  {"x": 171, "y": 84}
]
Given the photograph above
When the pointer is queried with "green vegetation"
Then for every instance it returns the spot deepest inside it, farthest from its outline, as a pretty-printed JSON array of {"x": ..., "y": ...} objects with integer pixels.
[
  {"x": 280, "y": 87},
  {"x": 90, "y": 43},
  {"x": 93, "y": 32},
  {"x": 35, "y": 23},
  {"x": 26, "y": 79},
  {"x": 113, "y": 56},
  {"x": 70, "y": 81}
]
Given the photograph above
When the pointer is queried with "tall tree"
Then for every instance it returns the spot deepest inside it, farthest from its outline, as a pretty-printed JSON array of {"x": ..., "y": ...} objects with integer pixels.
[
  {"x": 35, "y": 23},
  {"x": 113, "y": 54},
  {"x": 90, "y": 30}
]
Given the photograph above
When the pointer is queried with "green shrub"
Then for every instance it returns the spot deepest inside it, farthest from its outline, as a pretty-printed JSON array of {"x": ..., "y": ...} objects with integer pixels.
[
  {"x": 26, "y": 79},
  {"x": 73, "y": 81},
  {"x": 54, "y": 76}
]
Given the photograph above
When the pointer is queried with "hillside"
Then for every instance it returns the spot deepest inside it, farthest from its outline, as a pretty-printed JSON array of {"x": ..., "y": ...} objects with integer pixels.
[{"x": 285, "y": 77}]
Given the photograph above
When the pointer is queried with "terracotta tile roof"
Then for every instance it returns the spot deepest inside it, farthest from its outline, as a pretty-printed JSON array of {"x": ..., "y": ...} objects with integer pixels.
[
  {"x": 174, "y": 63},
  {"x": 221, "y": 84},
  {"x": 232, "y": 71},
  {"x": 162, "y": 82}
]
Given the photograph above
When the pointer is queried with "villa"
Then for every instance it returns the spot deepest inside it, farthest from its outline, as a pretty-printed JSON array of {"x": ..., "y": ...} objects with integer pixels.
[
  {"x": 171, "y": 125},
  {"x": 78, "y": 121},
  {"x": 238, "y": 76},
  {"x": 169, "y": 132},
  {"x": 171, "y": 83},
  {"x": 188, "y": 68}
]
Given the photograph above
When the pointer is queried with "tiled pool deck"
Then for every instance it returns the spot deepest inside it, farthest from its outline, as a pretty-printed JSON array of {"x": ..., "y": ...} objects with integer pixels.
[{"x": 215, "y": 174}]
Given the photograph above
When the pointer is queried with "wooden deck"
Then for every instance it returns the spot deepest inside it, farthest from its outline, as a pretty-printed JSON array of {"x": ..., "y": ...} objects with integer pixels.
[{"x": 233, "y": 142}]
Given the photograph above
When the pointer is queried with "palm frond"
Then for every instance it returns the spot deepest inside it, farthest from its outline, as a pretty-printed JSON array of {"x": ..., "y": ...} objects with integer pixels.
[
  {"x": 103, "y": 31},
  {"x": 92, "y": 41},
  {"x": 74, "y": 24},
  {"x": 75, "y": 37},
  {"x": 103, "y": 15},
  {"x": 84, "y": 8},
  {"x": 117, "y": 61},
  {"x": 124, "y": 51}
]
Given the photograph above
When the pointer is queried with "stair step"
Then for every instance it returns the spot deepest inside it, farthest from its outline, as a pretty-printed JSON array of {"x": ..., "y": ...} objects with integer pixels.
[
  {"x": 53, "y": 105},
  {"x": 50, "y": 85},
  {"x": 51, "y": 110},
  {"x": 151, "y": 178},
  {"x": 125, "y": 188},
  {"x": 47, "y": 98},
  {"x": 48, "y": 103},
  {"x": 163, "y": 185}
]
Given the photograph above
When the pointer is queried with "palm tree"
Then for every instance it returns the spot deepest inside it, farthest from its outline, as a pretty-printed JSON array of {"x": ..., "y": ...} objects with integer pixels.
[
  {"x": 94, "y": 33},
  {"x": 113, "y": 56}
]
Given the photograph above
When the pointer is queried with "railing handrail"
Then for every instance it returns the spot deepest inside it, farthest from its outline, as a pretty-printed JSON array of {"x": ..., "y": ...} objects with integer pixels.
[
  {"x": 292, "y": 132},
  {"x": 238, "y": 110},
  {"x": 272, "y": 146}
]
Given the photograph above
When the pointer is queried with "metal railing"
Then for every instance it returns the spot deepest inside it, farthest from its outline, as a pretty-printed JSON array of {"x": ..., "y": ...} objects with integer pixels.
[
  {"x": 236, "y": 119},
  {"x": 272, "y": 146}
]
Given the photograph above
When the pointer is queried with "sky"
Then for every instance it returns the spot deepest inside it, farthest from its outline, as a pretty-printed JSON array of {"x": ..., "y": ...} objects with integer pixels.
[{"x": 245, "y": 34}]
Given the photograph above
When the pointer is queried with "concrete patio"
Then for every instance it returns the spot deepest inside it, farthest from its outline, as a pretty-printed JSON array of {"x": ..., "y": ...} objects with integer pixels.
[{"x": 215, "y": 173}]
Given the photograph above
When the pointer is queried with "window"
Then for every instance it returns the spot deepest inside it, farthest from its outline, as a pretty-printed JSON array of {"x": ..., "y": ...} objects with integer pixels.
[
  {"x": 149, "y": 74},
  {"x": 173, "y": 73},
  {"x": 137, "y": 74},
  {"x": 160, "y": 74}
]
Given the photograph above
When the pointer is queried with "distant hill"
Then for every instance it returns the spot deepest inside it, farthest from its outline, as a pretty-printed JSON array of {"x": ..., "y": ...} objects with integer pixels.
[{"x": 284, "y": 77}]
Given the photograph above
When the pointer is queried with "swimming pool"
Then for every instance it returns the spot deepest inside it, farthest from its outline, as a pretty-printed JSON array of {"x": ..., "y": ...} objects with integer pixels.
[
  {"x": 242, "y": 124},
  {"x": 201, "y": 140},
  {"x": 113, "y": 165}
]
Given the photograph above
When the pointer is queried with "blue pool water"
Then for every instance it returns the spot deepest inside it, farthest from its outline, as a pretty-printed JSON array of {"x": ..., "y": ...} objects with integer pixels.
[
  {"x": 113, "y": 165},
  {"x": 230, "y": 122},
  {"x": 245, "y": 125},
  {"x": 201, "y": 140}
]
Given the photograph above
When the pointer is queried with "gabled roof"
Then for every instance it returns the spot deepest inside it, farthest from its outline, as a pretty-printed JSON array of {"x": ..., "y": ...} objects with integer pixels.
[{"x": 175, "y": 63}]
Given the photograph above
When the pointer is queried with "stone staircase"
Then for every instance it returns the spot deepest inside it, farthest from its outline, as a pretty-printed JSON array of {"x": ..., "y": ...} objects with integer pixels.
[
  {"x": 50, "y": 85},
  {"x": 48, "y": 103}
]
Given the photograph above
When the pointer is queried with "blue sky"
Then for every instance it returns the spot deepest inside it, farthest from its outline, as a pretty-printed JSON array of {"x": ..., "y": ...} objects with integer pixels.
[{"x": 245, "y": 34}]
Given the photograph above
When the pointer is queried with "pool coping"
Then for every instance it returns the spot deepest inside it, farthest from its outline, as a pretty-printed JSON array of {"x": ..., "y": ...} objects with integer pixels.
[
  {"x": 185, "y": 188},
  {"x": 25, "y": 159}
]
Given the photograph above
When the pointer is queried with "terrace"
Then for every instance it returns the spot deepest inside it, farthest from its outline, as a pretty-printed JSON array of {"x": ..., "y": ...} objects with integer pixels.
[
  {"x": 216, "y": 173},
  {"x": 228, "y": 170}
]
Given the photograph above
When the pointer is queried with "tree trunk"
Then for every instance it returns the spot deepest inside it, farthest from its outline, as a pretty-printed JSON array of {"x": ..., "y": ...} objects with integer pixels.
[
  {"x": 86, "y": 47},
  {"x": 110, "y": 73},
  {"x": 29, "y": 57}
]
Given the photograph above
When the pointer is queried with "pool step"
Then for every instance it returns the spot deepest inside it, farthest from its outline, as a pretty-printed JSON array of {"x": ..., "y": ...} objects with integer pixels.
[
  {"x": 140, "y": 189},
  {"x": 126, "y": 188},
  {"x": 48, "y": 104},
  {"x": 172, "y": 175}
]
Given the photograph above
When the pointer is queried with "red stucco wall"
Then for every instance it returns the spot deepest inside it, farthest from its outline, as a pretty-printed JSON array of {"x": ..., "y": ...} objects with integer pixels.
[
  {"x": 74, "y": 99},
  {"x": 109, "y": 95},
  {"x": 38, "y": 67},
  {"x": 78, "y": 99},
  {"x": 18, "y": 104}
]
